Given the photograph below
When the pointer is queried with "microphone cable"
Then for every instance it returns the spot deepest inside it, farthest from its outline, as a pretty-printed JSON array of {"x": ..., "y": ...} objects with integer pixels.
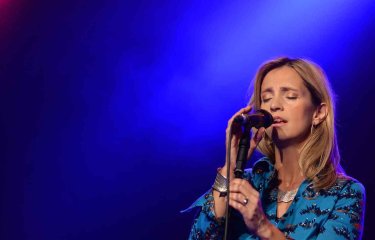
[{"x": 228, "y": 179}]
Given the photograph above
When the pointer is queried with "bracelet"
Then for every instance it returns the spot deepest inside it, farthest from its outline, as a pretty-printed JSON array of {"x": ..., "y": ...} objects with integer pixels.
[{"x": 221, "y": 184}]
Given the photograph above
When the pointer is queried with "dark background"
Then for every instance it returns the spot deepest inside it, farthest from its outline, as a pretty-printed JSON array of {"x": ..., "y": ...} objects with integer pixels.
[{"x": 113, "y": 113}]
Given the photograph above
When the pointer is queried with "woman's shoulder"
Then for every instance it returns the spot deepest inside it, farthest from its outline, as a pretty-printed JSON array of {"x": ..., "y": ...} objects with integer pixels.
[
  {"x": 345, "y": 187},
  {"x": 350, "y": 184}
]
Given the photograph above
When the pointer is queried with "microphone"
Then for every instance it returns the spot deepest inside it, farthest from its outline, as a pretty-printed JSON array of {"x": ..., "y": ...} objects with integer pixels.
[{"x": 261, "y": 118}]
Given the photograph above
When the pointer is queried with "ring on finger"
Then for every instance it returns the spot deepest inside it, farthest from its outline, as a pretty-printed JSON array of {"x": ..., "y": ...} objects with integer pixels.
[{"x": 245, "y": 201}]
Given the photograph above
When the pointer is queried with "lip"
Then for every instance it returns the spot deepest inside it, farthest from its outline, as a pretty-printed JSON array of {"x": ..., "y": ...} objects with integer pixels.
[
  {"x": 278, "y": 121},
  {"x": 278, "y": 124}
]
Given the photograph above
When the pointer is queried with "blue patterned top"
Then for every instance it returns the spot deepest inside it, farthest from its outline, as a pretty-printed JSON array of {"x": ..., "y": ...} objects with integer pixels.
[{"x": 333, "y": 213}]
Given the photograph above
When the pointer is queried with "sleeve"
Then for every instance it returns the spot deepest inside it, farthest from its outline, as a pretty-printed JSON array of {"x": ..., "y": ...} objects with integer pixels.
[
  {"x": 205, "y": 225},
  {"x": 347, "y": 217}
]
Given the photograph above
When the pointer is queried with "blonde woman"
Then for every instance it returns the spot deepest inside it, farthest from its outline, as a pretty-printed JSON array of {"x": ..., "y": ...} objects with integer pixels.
[{"x": 298, "y": 190}]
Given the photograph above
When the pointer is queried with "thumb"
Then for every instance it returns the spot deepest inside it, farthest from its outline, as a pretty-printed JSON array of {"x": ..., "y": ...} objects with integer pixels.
[{"x": 259, "y": 135}]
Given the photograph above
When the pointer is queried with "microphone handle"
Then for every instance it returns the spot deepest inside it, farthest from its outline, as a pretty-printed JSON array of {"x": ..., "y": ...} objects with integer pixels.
[{"x": 243, "y": 149}]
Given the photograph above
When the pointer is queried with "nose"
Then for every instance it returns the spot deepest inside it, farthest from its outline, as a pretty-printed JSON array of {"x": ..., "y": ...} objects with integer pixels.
[{"x": 276, "y": 105}]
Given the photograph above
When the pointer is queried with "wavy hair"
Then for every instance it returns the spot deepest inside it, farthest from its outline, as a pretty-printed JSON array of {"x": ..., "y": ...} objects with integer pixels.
[{"x": 319, "y": 157}]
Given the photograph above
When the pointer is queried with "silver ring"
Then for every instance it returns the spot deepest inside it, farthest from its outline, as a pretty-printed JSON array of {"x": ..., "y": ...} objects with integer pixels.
[{"x": 245, "y": 201}]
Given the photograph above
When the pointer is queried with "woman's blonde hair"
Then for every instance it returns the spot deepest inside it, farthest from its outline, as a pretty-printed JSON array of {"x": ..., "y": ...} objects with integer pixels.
[{"x": 319, "y": 157}]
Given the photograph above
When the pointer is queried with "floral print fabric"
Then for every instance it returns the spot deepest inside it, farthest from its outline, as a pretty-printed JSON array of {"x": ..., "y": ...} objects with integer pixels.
[{"x": 334, "y": 213}]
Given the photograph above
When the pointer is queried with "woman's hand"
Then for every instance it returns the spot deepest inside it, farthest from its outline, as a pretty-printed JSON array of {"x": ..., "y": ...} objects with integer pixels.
[
  {"x": 245, "y": 199},
  {"x": 236, "y": 131}
]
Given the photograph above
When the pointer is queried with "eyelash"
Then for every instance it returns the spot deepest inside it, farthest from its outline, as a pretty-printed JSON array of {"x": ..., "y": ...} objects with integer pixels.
[
  {"x": 291, "y": 98},
  {"x": 267, "y": 99}
]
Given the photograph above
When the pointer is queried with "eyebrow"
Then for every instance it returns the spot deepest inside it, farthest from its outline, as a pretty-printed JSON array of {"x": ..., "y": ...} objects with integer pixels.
[{"x": 283, "y": 89}]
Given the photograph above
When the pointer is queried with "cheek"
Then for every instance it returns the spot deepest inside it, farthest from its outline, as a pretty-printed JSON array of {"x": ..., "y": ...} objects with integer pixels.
[
  {"x": 302, "y": 117},
  {"x": 262, "y": 106}
]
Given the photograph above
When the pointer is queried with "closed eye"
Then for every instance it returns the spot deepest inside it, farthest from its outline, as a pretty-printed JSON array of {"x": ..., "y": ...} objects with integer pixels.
[
  {"x": 291, "y": 97},
  {"x": 266, "y": 100}
]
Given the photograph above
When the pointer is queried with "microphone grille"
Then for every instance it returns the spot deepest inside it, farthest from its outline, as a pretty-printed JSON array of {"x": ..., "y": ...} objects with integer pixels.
[{"x": 268, "y": 119}]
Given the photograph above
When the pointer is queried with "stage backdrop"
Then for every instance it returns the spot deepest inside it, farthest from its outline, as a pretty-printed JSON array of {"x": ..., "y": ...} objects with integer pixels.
[{"x": 113, "y": 113}]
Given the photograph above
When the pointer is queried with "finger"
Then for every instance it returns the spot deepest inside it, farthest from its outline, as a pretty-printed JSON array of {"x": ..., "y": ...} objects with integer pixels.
[
  {"x": 234, "y": 128},
  {"x": 237, "y": 205},
  {"x": 240, "y": 182},
  {"x": 259, "y": 135},
  {"x": 268, "y": 132},
  {"x": 241, "y": 111},
  {"x": 243, "y": 186},
  {"x": 238, "y": 197},
  {"x": 248, "y": 108},
  {"x": 244, "y": 199}
]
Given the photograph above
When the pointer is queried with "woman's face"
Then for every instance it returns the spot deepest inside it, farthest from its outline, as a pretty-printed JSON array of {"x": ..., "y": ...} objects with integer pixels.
[{"x": 285, "y": 96}]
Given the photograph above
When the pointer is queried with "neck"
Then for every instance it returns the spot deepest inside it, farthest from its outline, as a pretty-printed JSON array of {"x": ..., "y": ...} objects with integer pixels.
[{"x": 286, "y": 163}]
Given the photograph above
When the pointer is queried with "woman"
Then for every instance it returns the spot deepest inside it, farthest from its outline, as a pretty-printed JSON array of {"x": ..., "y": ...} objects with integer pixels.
[{"x": 298, "y": 190}]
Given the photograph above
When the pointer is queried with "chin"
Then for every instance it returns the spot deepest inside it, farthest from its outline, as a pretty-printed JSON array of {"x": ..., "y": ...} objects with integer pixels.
[{"x": 283, "y": 138}]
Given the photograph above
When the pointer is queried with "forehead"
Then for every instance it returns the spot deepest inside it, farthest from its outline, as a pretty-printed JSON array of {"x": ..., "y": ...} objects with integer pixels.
[{"x": 283, "y": 77}]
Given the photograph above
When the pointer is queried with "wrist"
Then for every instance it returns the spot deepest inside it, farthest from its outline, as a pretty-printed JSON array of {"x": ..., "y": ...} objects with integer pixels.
[
  {"x": 268, "y": 231},
  {"x": 221, "y": 184},
  {"x": 265, "y": 230},
  {"x": 224, "y": 170}
]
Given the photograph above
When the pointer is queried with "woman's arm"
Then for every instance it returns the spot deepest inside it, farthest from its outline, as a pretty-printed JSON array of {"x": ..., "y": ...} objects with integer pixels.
[
  {"x": 209, "y": 224},
  {"x": 206, "y": 225},
  {"x": 233, "y": 136}
]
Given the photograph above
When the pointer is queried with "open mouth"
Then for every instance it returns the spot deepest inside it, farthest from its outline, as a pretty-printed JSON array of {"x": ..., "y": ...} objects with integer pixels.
[{"x": 278, "y": 121}]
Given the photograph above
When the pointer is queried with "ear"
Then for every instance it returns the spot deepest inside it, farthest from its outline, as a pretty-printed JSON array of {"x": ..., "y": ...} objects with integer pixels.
[{"x": 320, "y": 114}]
